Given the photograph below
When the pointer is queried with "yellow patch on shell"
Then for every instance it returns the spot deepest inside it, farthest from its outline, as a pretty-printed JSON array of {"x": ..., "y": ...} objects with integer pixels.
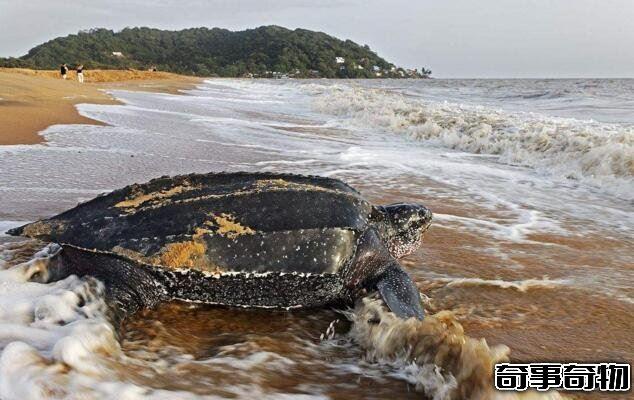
[
  {"x": 139, "y": 199},
  {"x": 200, "y": 232},
  {"x": 175, "y": 255},
  {"x": 183, "y": 254},
  {"x": 228, "y": 226}
]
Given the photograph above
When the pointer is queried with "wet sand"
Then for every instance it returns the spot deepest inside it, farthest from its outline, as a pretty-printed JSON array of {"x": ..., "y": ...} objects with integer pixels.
[{"x": 31, "y": 101}]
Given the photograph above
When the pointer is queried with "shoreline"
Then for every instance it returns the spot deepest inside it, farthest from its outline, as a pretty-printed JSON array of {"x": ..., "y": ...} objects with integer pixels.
[{"x": 33, "y": 100}]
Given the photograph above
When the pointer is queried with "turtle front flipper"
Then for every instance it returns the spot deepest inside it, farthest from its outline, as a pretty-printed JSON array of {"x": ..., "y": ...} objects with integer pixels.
[{"x": 400, "y": 293}]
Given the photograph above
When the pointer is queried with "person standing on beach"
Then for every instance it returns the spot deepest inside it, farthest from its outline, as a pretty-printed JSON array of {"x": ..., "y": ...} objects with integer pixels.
[
  {"x": 63, "y": 69},
  {"x": 80, "y": 73}
]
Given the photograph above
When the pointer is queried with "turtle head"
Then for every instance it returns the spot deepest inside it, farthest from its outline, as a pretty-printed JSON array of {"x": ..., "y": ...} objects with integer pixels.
[{"x": 402, "y": 226}]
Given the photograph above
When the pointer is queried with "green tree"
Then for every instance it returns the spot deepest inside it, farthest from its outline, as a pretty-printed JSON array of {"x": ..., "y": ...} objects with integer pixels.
[{"x": 204, "y": 51}]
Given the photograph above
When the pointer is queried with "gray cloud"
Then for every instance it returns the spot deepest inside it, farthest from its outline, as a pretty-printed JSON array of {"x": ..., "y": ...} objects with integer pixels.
[{"x": 456, "y": 38}]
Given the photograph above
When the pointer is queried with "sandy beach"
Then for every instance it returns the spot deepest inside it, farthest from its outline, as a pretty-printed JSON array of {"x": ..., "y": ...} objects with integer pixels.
[{"x": 32, "y": 100}]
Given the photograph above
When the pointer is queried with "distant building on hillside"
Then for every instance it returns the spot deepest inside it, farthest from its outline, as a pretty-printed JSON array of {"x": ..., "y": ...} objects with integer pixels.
[
  {"x": 376, "y": 68},
  {"x": 117, "y": 54},
  {"x": 340, "y": 60}
]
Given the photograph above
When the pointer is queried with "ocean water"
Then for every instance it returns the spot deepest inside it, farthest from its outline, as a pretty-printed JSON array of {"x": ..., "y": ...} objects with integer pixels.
[{"x": 532, "y": 187}]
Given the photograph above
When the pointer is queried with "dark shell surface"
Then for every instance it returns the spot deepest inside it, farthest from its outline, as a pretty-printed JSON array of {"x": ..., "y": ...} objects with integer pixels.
[{"x": 219, "y": 223}]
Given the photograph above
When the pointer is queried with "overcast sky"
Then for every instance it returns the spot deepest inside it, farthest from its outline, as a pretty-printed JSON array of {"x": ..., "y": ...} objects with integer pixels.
[{"x": 455, "y": 38}]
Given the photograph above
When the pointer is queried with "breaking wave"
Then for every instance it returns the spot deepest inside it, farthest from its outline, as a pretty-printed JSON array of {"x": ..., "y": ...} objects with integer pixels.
[
  {"x": 434, "y": 354},
  {"x": 52, "y": 335},
  {"x": 600, "y": 154}
]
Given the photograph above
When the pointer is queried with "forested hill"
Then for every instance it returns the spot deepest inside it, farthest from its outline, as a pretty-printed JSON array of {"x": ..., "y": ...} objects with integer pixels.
[{"x": 264, "y": 51}]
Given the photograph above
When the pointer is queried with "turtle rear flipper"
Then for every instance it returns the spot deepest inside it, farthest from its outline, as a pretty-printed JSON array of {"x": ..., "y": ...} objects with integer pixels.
[{"x": 400, "y": 293}]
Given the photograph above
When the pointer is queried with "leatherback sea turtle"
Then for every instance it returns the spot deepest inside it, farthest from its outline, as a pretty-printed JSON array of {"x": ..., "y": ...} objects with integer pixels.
[{"x": 239, "y": 239}]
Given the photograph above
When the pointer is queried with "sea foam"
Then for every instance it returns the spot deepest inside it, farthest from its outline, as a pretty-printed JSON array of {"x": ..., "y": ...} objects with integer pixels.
[
  {"x": 434, "y": 354},
  {"x": 600, "y": 154}
]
